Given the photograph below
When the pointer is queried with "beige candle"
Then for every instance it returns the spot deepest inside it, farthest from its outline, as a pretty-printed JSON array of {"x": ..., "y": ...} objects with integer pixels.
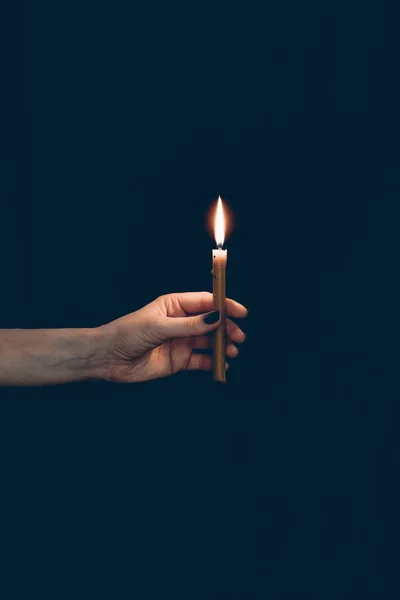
[{"x": 219, "y": 260}]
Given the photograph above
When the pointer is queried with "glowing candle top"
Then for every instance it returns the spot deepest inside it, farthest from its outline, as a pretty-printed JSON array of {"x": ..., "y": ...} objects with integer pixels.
[{"x": 219, "y": 224}]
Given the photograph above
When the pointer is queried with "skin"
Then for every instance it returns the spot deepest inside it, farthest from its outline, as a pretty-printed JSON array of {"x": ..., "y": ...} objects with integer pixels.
[{"x": 161, "y": 339}]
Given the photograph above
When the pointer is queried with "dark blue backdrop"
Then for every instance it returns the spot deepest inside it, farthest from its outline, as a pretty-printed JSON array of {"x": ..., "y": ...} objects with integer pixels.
[{"x": 121, "y": 124}]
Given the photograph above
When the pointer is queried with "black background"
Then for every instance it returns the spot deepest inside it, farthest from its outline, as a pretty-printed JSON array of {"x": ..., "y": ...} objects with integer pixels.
[{"x": 120, "y": 125}]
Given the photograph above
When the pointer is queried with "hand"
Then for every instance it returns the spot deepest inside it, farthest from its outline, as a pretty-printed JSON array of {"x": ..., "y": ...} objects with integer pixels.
[{"x": 163, "y": 337}]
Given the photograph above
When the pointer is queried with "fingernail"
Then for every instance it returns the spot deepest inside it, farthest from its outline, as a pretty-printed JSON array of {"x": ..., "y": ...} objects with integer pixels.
[{"x": 212, "y": 317}]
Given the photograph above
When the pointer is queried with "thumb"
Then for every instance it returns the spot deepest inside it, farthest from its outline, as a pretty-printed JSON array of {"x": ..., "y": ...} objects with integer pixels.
[{"x": 191, "y": 326}]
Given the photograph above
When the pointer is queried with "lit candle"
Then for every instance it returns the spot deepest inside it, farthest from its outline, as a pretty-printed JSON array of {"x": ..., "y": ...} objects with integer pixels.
[{"x": 219, "y": 259}]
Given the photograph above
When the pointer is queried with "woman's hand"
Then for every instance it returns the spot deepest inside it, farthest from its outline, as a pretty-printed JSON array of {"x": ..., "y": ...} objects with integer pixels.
[{"x": 165, "y": 337}]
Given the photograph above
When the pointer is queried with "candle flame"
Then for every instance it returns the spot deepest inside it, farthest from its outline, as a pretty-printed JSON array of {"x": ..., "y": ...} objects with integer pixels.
[{"x": 219, "y": 223}]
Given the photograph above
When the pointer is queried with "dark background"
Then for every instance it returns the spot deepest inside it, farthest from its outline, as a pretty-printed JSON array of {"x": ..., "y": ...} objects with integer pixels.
[{"x": 120, "y": 125}]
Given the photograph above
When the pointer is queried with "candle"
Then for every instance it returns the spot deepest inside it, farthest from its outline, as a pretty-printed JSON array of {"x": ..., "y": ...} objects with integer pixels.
[{"x": 219, "y": 260}]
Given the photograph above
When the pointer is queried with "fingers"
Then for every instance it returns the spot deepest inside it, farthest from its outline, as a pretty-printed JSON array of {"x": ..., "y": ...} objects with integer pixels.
[
  {"x": 170, "y": 327},
  {"x": 196, "y": 302},
  {"x": 201, "y": 342},
  {"x": 179, "y": 327},
  {"x": 201, "y": 362},
  {"x": 192, "y": 302},
  {"x": 233, "y": 333},
  {"x": 204, "y": 342},
  {"x": 235, "y": 309},
  {"x": 231, "y": 350}
]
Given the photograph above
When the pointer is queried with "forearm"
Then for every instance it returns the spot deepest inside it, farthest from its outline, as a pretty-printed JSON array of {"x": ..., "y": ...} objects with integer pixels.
[{"x": 51, "y": 356}]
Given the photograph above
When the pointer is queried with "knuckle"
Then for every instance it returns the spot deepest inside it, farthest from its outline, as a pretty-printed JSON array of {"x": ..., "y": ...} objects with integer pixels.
[{"x": 168, "y": 301}]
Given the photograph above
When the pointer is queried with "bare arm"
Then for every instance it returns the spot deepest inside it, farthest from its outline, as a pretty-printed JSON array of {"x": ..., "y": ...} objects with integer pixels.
[{"x": 51, "y": 356}]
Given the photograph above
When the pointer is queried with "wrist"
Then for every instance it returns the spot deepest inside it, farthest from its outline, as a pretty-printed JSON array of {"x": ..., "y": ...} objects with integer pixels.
[{"x": 98, "y": 341}]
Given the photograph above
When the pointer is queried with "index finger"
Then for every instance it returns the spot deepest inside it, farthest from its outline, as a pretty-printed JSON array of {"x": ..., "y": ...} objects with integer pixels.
[{"x": 198, "y": 302}]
